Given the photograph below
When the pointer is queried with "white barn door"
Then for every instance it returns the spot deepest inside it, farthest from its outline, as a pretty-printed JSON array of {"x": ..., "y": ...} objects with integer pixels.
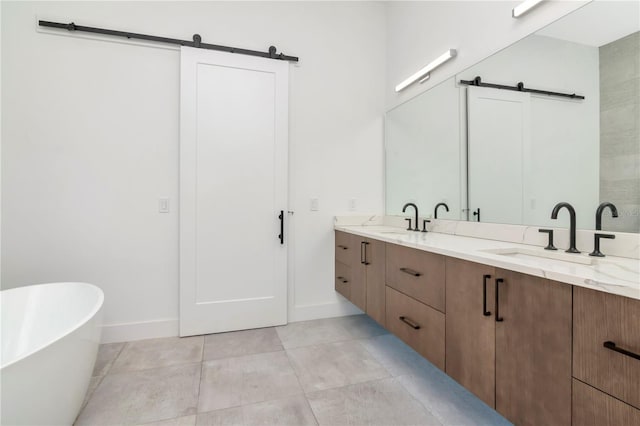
[{"x": 233, "y": 187}]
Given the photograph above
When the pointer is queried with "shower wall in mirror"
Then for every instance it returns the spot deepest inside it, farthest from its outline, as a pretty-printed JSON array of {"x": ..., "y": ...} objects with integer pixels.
[{"x": 525, "y": 152}]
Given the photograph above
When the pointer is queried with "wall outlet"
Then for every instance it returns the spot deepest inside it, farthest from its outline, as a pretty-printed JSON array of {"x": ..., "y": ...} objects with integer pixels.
[
  {"x": 314, "y": 205},
  {"x": 163, "y": 204},
  {"x": 352, "y": 204}
]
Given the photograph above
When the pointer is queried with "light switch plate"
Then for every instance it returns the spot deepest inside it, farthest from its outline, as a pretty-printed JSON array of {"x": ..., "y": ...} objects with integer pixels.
[
  {"x": 314, "y": 205},
  {"x": 163, "y": 205}
]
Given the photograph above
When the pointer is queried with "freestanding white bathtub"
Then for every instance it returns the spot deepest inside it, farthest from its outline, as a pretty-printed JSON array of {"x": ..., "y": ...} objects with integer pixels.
[{"x": 50, "y": 338}]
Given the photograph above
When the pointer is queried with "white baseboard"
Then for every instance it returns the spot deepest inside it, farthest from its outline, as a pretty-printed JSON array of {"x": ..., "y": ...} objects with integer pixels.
[
  {"x": 322, "y": 310},
  {"x": 139, "y": 330}
]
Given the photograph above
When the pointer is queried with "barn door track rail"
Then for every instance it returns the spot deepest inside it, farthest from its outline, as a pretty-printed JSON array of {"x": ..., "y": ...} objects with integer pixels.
[
  {"x": 196, "y": 42},
  {"x": 519, "y": 88}
]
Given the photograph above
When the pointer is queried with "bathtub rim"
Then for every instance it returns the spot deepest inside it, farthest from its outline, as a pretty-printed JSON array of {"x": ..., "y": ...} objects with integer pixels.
[{"x": 64, "y": 333}]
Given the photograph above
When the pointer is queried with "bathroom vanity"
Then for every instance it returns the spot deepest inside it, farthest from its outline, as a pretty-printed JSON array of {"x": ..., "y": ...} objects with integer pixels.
[{"x": 544, "y": 341}]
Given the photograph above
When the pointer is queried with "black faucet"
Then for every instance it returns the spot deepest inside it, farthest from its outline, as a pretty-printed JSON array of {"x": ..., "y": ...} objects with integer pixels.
[
  {"x": 572, "y": 226},
  {"x": 435, "y": 211},
  {"x": 601, "y": 207},
  {"x": 416, "y": 209}
]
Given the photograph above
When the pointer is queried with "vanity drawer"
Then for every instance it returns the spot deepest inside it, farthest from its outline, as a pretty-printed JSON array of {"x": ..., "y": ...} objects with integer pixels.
[
  {"x": 343, "y": 279},
  {"x": 592, "y": 407},
  {"x": 600, "y": 317},
  {"x": 417, "y": 273},
  {"x": 346, "y": 250},
  {"x": 417, "y": 324}
]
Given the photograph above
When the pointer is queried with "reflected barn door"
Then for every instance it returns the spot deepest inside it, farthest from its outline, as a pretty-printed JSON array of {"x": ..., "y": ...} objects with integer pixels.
[
  {"x": 233, "y": 188},
  {"x": 499, "y": 132}
]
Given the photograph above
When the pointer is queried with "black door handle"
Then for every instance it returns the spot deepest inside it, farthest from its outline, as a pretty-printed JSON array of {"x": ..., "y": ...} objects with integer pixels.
[
  {"x": 342, "y": 247},
  {"x": 613, "y": 347},
  {"x": 498, "y": 317},
  {"x": 410, "y": 323},
  {"x": 484, "y": 295},
  {"x": 281, "y": 217},
  {"x": 343, "y": 279},
  {"x": 363, "y": 252},
  {"x": 477, "y": 213}
]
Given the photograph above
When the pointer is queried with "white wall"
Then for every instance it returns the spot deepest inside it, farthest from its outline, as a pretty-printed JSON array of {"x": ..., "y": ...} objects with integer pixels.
[
  {"x": 90, "y": 141},
  {"x": 418, "y": 32}
]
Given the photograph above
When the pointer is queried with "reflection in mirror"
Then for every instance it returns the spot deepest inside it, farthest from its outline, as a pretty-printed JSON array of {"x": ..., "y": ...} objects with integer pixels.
[
  {"x": 423, "y": 153},
  {"x": 526, "y": 151}
]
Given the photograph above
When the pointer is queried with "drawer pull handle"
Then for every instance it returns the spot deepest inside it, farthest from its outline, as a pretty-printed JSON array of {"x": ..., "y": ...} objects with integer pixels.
[
  {"x": 343, "y": 247},
  {"x": 410, "y": 272},
  {"x": 409, "y": 322},
  {"x": 613, "y": 347},
  {"x": 484, "y": 295},
  {"x": 344, "y": 281}
]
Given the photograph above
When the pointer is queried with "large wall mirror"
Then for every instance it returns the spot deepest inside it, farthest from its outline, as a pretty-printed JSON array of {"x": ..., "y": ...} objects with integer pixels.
[{"x": 508, "y": 156}]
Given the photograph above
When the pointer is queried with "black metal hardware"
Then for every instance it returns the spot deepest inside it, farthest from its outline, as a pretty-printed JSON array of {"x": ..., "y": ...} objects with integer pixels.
[
  {"x": 281, "y": 217},
  {"x": 518, "y": 88},
  {"x": 409, "y": 220},
  {"x": 572, "y": 224},
  {"x": 363, "y": 253},
  {"x": 435, "y": 210},
  {"x": 343, "y": 279},
  {"x": 596, "y": 243},
  {"x": 416, "y": 222},
  {"x": 424, "y": 224},
  {"x": 197, "y": 40},
  {"x": 411, "y": 272},
  {"x": 550, "y": 245},
  {"x": 410, "y": 323},
  {"x": 343, "y": 247},
  {"x": 484, "y": 295},
  {"x": 600, "y": 209},
  {"x": 477, "y": 213},
  {"x": 613, "y": 347},
  {"x": 498, "y": 317}
]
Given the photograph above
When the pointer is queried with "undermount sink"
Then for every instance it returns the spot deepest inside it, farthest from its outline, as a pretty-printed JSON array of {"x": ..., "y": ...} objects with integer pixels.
[
  {"x": 386, "y": 229},
  {"x": 538, "y": 254}
]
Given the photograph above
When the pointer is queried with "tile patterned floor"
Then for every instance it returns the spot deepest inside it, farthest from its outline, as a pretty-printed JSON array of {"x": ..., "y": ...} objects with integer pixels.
[{"x": 336, "y": 371}]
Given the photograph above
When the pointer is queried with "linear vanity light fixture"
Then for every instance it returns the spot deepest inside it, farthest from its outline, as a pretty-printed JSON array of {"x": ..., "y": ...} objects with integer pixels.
[
  {"x": 524, "y": 7},
  {"x": 423, "y": 74}
]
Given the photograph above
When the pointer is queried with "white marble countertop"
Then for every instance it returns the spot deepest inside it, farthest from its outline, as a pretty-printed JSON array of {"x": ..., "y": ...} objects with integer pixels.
[{"x": 615, "y": 275}]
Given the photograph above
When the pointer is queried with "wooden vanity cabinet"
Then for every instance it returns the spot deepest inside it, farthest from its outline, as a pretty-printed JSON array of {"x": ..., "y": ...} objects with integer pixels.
[
  {"x": 360, "y": 271},
  {"x": 606, "y": 355},
  {"x": 471, "y": 335},
  {"x": 518, "y": 357}
]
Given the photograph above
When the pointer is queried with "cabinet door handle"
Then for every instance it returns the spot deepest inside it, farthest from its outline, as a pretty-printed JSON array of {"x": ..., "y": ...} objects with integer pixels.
[
  {"x": 613, "y": 347},
  {"x": 410, "y": 323},
  {"x": 484, "y": 295},
  {"x": 344, "y": 281},
  {"x": 498, "y": 317},
  {"x": 410, "y": 272},
  {"x": 343, "y": 247}
]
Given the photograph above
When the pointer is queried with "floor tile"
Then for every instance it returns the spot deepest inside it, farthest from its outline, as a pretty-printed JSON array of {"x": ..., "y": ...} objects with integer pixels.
[
  {"x": 307, "y": 333},
  {"x": 449, "y": 402},
  {"x": 143, "y": 396},
  {"x": 333, "y": 365},
  {"x": 178, "y": 421},
  {"x": 398, "y": 358},
  {"x": 240, "y": 343},
  {"x": 107, "y": 353},
  {"x": 293, "y": 411},
  {"x": 245, "y": 380},
  {"x": 362, "y": 326},
  {"x": 225, "y": 417},
  {"x": 382, "y": 402},
  {"x": 154, "y": 353}
]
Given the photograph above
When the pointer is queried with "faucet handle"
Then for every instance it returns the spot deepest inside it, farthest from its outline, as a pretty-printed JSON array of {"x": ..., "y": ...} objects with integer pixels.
[
  {"x": 596, "y": 243},
  {"x": 550, "y": 245},
  {"x": 409, "y": 220},
  {"x": 424, "y": 224}
]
